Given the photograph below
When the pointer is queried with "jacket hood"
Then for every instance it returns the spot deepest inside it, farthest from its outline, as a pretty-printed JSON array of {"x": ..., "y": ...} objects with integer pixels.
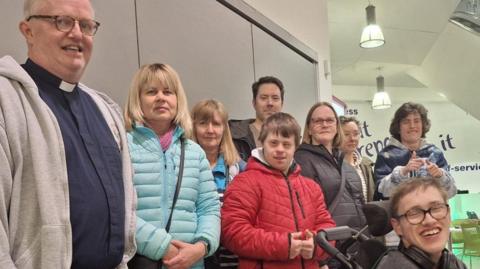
[
  {"x": 10, "y": 69},
  {"x": 321, "y": 151},
  {"x": 240, "y": 128},
  {"x": 257, "y": 161},
  {"x": 318, "y": 149},
  {"x": 145, "y": 130}
]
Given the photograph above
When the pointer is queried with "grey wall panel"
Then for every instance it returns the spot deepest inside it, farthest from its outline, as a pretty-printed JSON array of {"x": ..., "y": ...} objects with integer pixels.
[
  {"x": 209, "y": 45},
  {"x": 12, "y": 41},
  {"x": 258, "y": 19},
  {"x": 297, "y": 74},
  {"x": 115, "y": 56}
]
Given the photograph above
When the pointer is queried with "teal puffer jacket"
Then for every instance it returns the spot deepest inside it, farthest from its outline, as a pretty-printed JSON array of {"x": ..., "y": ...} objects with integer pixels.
[{"x": 197, "y": 212}]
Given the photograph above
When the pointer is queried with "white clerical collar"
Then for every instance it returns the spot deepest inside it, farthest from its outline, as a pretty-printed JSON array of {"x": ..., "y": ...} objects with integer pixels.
[{"x": 67, "y": 87}]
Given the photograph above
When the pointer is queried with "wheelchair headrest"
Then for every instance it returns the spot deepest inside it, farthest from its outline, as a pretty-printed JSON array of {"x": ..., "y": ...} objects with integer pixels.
[{"x": 378, "y": 217}]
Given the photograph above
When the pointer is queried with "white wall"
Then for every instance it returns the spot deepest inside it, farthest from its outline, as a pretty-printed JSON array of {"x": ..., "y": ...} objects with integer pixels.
[
  {"x": 306, "y": 20},
  {"x": 453, "y": 131}
]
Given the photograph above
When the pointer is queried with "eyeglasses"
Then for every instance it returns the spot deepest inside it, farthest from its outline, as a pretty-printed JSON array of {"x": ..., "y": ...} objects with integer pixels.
[
  {"x": 417, "y": 215},
  {"x": 327, "y": 121},
  {"x": 66, "y": 23}
]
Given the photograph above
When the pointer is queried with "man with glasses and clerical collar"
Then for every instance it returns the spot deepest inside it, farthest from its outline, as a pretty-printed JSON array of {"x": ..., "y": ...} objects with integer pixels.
[
  {"x": 421, "y": 218},
  {"x": 66, "y": 193}
]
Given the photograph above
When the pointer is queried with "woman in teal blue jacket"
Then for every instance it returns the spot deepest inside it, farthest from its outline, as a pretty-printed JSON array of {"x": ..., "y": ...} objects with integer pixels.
[{"x": 158, "y": 122}]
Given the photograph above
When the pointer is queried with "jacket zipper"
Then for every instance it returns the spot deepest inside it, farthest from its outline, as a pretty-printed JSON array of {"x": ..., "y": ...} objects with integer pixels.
[
  {"x": 300, "y": 204},
  {"x": 294, "y": 215}
]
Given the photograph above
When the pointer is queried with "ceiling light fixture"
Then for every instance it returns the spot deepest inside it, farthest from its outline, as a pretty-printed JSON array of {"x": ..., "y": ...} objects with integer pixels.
[
  {"x": 372, "y": 35},
  {"x": 381, "y": 99},
  {"x": 467, "y": 15}
]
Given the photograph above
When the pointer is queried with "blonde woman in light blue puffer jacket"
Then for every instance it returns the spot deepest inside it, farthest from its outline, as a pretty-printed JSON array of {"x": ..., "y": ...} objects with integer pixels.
[{"x": 158, "y": 120}]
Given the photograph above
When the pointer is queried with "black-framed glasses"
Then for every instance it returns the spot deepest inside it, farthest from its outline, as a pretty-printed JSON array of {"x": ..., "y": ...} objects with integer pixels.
[
  {"x": 417, "y": 215},
  {"x": 66, "y": 23}
]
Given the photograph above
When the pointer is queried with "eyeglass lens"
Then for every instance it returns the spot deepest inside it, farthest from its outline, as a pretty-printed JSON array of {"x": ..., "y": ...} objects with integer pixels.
[
  {"x": 417, "y": 215},
  {"x": 66, "y": 23}
]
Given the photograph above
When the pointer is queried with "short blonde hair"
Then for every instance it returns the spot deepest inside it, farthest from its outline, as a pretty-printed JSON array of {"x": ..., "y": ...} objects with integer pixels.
[
  {"x": 167, "y": 76},
  {"x": 204, "y": 111},
  {"x": 337, "y": 139},
  {"x": 30, "y": 7}
]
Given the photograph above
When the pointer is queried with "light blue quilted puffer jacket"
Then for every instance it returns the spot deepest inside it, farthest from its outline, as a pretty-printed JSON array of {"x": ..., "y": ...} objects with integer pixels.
[{"x": 197, "y": 212}]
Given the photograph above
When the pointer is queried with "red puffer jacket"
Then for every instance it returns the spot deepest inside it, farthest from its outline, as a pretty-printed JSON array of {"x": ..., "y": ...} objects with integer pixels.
[{"x": 262, "y": 207}]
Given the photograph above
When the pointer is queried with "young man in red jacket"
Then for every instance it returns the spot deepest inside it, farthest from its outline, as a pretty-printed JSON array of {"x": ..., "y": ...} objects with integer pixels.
[{"x": 271, "y": 212}]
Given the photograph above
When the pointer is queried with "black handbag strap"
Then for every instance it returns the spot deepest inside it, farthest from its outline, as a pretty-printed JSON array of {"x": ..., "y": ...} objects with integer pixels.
[{"x": 179, "y": 182}]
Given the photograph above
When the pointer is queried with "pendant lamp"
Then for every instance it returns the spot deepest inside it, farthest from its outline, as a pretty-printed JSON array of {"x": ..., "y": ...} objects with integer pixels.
[
  {"x": 372, "y": 35},
  {"x": 381, "y": 99}
]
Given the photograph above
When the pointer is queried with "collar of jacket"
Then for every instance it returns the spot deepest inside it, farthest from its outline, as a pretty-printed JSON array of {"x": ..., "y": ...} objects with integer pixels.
[
  {"x": 395, "y": 143},
  {"x": 258, "y": 158},
  {"x": 336, "y": 157},
  {"x": 150, "y": 133},
  {"x": 240, "y": 128}
]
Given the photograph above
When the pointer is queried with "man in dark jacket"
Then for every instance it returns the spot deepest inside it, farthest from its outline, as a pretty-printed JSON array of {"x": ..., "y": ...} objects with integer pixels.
[
  {"x": 421, "y": 218},
  {"x": 267, "y": 99}
]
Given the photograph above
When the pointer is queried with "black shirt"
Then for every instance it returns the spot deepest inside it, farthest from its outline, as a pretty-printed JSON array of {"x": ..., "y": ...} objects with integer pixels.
[{"x": 94, "y": 166}]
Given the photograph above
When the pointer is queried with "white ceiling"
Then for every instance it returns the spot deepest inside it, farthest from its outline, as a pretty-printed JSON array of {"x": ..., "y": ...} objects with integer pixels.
[
  {"x": 410, "y": 27},
  {"x": 422, "y": 50}
]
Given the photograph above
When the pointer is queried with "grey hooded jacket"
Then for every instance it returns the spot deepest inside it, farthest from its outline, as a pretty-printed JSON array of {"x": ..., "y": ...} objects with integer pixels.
[{"x": 35, "y": 230}]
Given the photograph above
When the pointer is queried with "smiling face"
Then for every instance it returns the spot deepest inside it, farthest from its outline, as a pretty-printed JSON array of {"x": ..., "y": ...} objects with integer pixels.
[
  {"x": 278, "y": 151},
  {"x": 158, "y": 104},
  {"x": 352, "y": 137},
  {"x": 411, "y": 128},
  {"x": 65, "y": 55},
  {"x": 209, "y": 133},
  {"x": 322, "y": 126},
  {"x": 430, "y": 235}
]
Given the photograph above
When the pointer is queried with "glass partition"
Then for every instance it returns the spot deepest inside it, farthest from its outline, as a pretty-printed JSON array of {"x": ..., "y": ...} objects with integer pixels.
[{"x": 465, "y": 228}]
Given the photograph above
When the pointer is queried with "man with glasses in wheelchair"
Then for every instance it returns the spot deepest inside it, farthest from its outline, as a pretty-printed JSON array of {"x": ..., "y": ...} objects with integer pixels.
[{"x": 421, "y": 218}]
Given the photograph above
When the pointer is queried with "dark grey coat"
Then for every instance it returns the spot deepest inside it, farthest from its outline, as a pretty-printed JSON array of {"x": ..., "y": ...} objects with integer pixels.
[
  {"x": 396, "y": 259},
  {"x": 327, "y": 170},
  {"x": 242, "y": 137}
]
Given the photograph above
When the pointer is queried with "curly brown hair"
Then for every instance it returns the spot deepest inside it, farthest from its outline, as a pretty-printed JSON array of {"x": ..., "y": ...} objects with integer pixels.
[{"x": 402, "y": 112}]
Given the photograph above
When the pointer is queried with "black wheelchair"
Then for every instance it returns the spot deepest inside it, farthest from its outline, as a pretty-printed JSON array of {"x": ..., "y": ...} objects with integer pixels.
[{"x": 368, "y": 249}]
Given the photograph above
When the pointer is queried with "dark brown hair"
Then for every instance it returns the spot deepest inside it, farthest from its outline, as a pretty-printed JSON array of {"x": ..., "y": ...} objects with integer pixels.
[
  {"x": 402, "y": 112},
  {"x": 282, "y": 124},
  {"x": 265, "y": 80}
]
